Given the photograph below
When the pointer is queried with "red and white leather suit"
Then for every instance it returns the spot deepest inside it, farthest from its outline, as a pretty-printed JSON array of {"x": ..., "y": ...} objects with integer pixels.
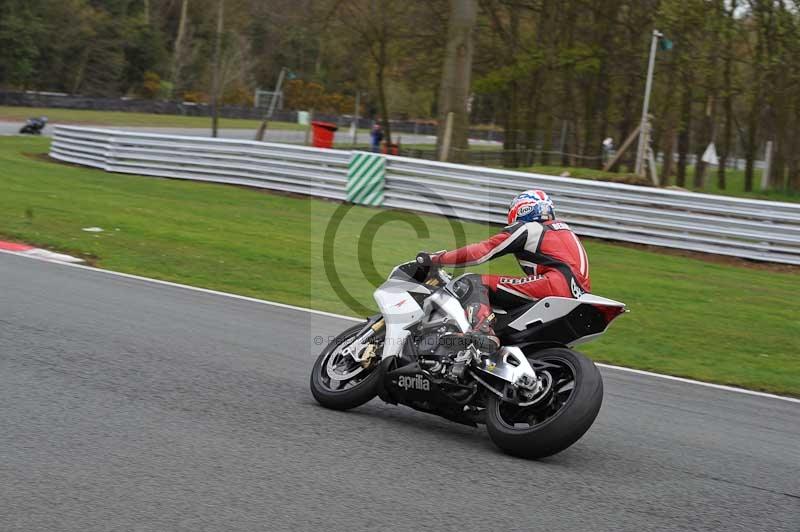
[{"x": 549, "y": 253}]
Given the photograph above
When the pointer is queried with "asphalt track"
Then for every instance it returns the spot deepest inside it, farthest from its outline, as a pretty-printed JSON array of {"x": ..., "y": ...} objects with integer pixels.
[{"x": 129, "y": 405}]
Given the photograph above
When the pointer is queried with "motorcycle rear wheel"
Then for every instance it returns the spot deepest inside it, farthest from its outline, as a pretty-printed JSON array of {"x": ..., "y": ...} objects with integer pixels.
[
  {"x": 348, "y": 392},
  {"x": 560, "y": 419}
]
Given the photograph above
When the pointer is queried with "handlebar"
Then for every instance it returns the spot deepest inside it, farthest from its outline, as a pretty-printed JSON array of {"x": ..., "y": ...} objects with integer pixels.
[{"x": 423, "y": 274}]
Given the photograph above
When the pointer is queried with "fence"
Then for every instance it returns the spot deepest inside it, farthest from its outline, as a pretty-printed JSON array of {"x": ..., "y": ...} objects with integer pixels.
[{"x": 760, "y": 230}]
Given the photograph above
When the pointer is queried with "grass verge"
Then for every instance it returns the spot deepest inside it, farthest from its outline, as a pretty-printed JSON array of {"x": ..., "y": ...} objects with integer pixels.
[
  {"x": 594, "y": 174},
  {"x": 715, "y": 322}
]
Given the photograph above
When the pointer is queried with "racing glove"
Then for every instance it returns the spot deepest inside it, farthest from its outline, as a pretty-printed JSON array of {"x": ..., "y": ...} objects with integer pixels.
[{"x": 427, "y": 259}]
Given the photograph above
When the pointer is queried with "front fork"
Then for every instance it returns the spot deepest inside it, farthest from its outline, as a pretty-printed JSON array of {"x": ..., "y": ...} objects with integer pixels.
[{"x": 357, "y": 348}]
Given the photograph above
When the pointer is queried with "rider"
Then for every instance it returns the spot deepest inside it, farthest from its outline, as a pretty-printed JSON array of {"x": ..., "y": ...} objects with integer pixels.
[{"x": 550, "y": 254}]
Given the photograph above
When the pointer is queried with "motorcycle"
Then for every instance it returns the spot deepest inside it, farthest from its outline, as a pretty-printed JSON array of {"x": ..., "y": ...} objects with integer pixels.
[
  {"x": 535, "y": 395},
  {"x": 34, "y": 126}
]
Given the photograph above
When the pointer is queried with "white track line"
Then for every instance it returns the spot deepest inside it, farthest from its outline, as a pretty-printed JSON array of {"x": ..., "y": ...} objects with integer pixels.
[
  {"x": 350, "y": 318},
  {"x": 699, "y": 383},
  {"x": 187, "y": 287}
]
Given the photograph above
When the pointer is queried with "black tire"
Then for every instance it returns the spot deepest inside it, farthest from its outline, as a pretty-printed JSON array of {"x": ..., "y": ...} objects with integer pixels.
[
  {"x": 347, "y": 398},
  {"x": 566, "y": 425}
]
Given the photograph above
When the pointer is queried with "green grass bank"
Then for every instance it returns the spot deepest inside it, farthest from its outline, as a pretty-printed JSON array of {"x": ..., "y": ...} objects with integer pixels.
[{"x": 716, "y": 322}]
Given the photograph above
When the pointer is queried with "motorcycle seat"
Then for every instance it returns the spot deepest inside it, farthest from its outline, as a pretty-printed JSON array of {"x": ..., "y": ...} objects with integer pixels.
[{"x": 506, "y": 316}]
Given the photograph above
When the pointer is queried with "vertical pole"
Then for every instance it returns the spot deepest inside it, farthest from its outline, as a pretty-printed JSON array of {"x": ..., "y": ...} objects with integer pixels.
[
  {"x": 645, "y": 107},
  {"x": 217, "y": 81},
  {"x": 767, "y": 166},
  {"x": 651, "y": 162},
  {"x": 308, "y": 129},
  {"x": 448, "y": 133},
  {"x": 355, "y": 118},
  {"x": 278, "y": 87},
  {"x": 563, "y": 144},
  {"x": 262, "y": 128}
]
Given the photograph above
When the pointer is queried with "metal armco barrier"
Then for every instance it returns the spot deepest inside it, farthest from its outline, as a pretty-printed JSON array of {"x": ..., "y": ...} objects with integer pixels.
[
  {"x": 759, "y": 230},
  {"x": 283, "y": 167}
]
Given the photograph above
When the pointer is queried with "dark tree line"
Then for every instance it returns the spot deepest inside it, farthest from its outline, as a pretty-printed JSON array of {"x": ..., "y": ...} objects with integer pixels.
[
  {"x": 571, "y": 73},
  {"x": 557, "y": 76}
]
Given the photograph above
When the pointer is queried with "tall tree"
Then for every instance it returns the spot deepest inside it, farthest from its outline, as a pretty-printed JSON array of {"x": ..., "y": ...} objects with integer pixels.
[
  {"x": 179, "y": 46},
  {"x": 456, "y": 75},
  {"x": 728, "y": 28},
  {"x": 377, "y": 27},
  {"x": 217, "y": 75}
]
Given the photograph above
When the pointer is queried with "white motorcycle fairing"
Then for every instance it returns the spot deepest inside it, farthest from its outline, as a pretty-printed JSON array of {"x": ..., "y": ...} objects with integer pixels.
[{"x": 401, "y": 311}]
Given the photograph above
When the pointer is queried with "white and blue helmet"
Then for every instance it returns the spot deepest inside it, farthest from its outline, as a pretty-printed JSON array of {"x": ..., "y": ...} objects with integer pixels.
[{"x": 531, "y": 206}]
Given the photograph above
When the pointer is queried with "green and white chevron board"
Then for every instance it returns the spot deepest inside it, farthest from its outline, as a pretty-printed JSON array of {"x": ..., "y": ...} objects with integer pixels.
[{"x": 365, "y": 176}]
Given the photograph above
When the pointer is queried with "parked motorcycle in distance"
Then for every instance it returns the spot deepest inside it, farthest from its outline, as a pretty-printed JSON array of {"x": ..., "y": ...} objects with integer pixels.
[
  {"x": 34, "y": 126},
  {"x": 536, "y": 395}
]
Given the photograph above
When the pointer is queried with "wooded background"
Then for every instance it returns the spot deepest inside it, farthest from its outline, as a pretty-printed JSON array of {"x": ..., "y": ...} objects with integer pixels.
[{"x": 543, "y": 71}]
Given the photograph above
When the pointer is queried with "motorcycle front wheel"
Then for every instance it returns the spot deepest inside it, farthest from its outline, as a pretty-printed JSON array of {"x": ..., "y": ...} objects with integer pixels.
[
  {"x": 567, "y": 409},
  {"x": 341, "y": 383}
]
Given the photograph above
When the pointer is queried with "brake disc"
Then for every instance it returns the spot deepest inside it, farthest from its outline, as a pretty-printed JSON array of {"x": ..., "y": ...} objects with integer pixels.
[{"x": 338, "y": 362}]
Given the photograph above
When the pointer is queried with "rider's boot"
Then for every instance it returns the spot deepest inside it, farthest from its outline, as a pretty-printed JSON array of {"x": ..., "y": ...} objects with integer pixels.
[{"x": 482, "y": 334}]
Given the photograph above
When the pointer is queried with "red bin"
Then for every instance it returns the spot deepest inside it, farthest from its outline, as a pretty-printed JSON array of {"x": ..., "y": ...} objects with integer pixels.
[
  {"x": 322, "y": 134},
  {"x": 390, "y": 149}
]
